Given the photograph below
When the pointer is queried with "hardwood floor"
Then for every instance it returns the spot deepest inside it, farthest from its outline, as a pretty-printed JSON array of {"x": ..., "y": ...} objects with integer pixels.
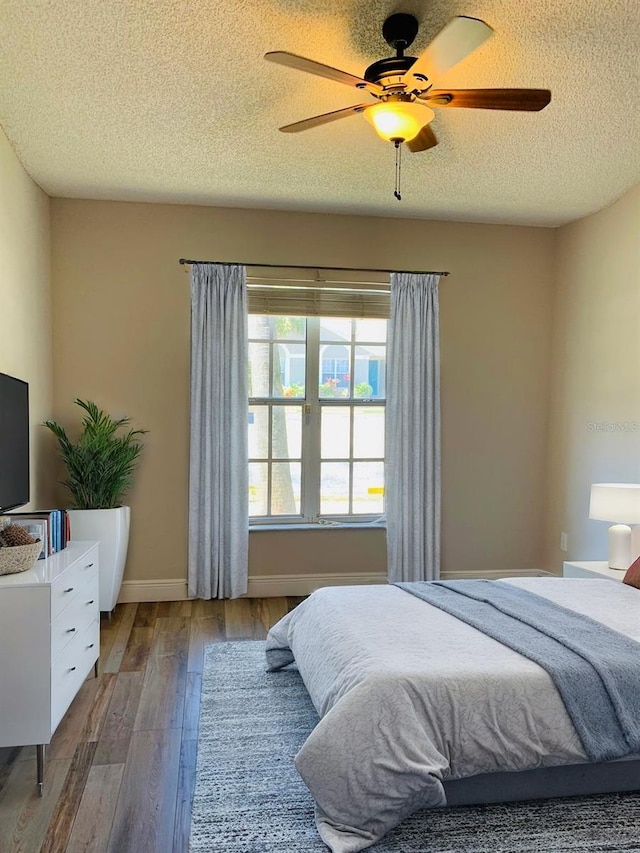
[{"x": 120, "y": 769}]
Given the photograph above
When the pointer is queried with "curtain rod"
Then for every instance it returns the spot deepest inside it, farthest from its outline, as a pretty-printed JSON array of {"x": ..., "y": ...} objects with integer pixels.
[{"x": 307, "y": 266}]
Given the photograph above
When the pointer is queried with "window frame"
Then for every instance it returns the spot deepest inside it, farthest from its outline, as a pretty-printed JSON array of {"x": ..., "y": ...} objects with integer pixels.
[{"x": 311, "y": 445}]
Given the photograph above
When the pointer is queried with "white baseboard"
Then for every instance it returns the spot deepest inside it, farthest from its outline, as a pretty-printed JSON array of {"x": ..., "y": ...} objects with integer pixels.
[
  {"x": 153, "y": 590},
  {"x": 271, "y": 586}
]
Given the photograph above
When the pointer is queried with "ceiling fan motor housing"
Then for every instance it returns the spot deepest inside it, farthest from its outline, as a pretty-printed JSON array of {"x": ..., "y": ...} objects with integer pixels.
[{"x": 393, "y": 66}]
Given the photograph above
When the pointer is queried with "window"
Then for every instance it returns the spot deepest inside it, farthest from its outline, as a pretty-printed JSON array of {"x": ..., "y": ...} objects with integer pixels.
[{"x": 316, "y": 418}]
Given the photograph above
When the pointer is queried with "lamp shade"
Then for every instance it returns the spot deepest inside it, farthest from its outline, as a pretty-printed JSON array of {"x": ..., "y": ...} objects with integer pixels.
[
  {"x": 398, "y": 120},
  {"x": 616, "y": 502}
]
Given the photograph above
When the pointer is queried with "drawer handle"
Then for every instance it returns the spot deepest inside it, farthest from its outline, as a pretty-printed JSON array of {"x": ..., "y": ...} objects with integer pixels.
[
  {"x": 89, "y": 565},
  {"x": 69, "y": 590},
  {"x": 91, "y": 645},
  {"x": 70, "y": 630},
  {"x": 71, "y": 668},
  {"x": 90, "y": 602}
]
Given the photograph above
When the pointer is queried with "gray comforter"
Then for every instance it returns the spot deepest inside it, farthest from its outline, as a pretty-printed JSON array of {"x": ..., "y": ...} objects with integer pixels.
[
  {"x": 408, "y": 695},
  {"x": 595, "y": 669}
]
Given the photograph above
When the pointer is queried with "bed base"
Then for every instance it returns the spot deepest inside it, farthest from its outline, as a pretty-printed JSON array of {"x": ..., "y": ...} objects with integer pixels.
[{"x": 572, "y": 780}]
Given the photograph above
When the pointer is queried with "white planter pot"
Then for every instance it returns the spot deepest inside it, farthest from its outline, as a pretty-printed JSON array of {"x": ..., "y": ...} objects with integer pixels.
[{"x": 110, "y": 527}]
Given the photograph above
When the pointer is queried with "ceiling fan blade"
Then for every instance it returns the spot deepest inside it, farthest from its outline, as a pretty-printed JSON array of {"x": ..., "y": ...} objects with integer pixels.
[
  {"x": 527, "y": 100},
  {"x": 300, "y": 63},
  {"x": 458, "y": 39},
  {"x": 325, "y": 118},
  {"x": 423, "y": 141}
]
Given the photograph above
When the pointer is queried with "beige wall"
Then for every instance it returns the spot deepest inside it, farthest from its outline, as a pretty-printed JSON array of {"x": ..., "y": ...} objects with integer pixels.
[
  {"x": 595, "y": 408},
  {"x": 121, "y": 337},
  {"x": 121, "y": 324},
  {"x": 25, "y": 305}
]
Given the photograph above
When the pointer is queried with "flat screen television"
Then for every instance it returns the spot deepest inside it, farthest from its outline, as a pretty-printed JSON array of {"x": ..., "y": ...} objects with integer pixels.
[{"x": 14, "y": 442}]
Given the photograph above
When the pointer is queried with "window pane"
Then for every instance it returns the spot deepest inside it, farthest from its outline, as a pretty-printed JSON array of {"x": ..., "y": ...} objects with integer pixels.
[
  {"x": 288, "y": 370},
  {"x": 335, "y": 371},
  {"x": 335, "y": 329},
  {"x": 369, "y": 372},
  {"x": 368, "y": 487},
  {"x": 258, "y": 472},
  {"x": 371, "y": 331},
  {"x": 258, "y": 432},
  {"x": 258, "y": 370},
  {"x": 286, "y": 432},
  {"x": 290, "y": 328},
  {"x": 334, "y": 488},
  {"x": 285, "y": 488},
  {"x": 335, "y": 432},
  {"x": 368, "y": 432},
  {"x": 293, "y": 365},
  {"x": 259, "y": 326}
]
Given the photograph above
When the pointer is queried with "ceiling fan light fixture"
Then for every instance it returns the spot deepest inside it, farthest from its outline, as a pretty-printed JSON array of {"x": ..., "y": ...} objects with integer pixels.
[{"x": 398, "y": 121}]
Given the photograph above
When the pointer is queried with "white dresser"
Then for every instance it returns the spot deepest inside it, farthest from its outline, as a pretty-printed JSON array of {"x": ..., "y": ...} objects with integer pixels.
[
  {"x": 49, "y": 641},
  {"x": 592, "y": 569}
]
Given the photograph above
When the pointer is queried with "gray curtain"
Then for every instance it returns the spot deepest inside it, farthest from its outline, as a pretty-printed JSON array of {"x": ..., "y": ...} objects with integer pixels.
[
  {"x": 412, "y": 469},
  {"x": 218, "y": 470}
]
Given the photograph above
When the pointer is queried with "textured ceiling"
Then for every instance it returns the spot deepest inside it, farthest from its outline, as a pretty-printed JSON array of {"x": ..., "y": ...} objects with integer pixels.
[{"x": 171, "y": 100}]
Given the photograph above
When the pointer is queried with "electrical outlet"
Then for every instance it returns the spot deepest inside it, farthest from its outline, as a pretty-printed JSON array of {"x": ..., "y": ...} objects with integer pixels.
[{"x": 564, "y": 542}]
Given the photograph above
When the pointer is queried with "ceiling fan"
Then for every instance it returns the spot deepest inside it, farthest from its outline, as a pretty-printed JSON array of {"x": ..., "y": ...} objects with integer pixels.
[{"x": 402, "y": 86}]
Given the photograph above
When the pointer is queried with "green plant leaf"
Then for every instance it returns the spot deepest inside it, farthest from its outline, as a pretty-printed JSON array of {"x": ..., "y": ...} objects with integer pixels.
[{"x": 101, "y": 464}]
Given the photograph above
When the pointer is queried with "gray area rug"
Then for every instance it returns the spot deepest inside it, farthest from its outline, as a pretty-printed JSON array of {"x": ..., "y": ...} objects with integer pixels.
[{"x": 250, "y": 799}]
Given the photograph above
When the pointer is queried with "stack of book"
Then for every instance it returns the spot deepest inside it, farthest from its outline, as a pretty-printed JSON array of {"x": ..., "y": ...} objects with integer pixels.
[{"x": 50, "y": 526}]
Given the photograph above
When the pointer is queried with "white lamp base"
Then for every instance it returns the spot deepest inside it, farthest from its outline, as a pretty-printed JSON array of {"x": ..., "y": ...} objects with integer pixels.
[{"x": 620, "y": 547}]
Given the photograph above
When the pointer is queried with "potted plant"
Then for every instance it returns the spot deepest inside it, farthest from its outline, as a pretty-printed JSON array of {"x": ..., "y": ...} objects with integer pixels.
[{"x": 100, "y": 468}]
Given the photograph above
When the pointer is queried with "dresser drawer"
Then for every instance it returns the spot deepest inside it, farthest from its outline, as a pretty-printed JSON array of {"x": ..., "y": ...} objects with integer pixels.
[
  {"x": 71, "y": 668},
  {"x": 66, "y": 586},
  {"x": 77, "y": 615}
]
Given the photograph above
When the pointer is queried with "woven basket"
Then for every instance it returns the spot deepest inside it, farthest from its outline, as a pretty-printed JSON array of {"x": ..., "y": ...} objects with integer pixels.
[{"x": 20, "y": 558}]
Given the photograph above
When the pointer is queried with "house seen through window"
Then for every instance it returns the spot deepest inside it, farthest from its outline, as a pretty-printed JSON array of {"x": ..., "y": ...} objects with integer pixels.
[{"x": 316, "y": 418}]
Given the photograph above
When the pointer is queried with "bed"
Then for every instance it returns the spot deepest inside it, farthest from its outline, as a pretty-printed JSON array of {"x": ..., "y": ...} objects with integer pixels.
[{"x": 419, "y": 709}]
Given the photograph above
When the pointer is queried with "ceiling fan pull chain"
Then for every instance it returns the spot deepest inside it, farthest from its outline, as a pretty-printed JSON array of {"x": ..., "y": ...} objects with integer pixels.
[{"x": 396, "y": 192}]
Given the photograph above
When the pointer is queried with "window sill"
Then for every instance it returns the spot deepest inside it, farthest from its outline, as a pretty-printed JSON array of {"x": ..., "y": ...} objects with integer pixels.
[{"x": 346, "y": 525}]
